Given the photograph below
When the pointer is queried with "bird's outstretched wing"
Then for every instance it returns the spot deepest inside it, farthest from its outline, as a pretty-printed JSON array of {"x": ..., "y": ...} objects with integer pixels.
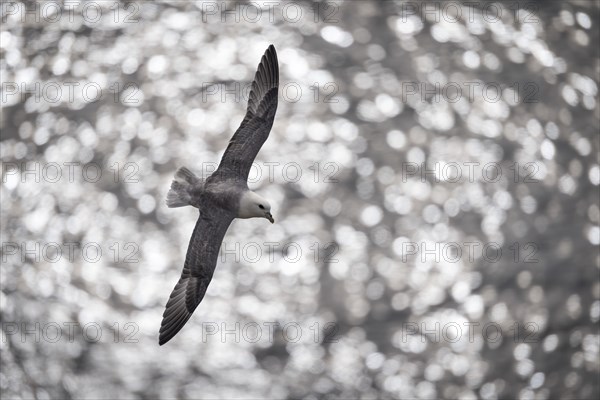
[
  {"x": 254, "y": 130},
  {"x": 198, "y": 269}
]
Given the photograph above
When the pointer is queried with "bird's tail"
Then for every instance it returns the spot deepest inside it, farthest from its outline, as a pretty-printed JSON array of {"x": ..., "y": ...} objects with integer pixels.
[{"x": 179, "y": 194}]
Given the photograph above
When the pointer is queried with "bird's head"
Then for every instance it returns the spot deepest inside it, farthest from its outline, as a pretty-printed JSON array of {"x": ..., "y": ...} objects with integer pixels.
[{"x": 254, "y": 206}]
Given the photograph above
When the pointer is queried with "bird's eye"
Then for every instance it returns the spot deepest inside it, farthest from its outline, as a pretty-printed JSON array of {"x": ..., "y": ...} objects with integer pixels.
[{"x": 261, "y": 206}]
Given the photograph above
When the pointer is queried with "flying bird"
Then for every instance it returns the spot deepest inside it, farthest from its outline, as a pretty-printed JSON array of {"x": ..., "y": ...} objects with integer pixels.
[{"x": 222, "y": 197}]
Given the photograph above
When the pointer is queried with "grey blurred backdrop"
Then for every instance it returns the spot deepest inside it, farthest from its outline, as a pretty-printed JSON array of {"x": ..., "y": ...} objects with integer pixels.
[{"x": 374, "y": 281}]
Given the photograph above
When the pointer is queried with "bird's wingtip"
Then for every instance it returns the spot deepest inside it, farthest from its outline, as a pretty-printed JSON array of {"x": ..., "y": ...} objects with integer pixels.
[{"x": 162, "y": 340}]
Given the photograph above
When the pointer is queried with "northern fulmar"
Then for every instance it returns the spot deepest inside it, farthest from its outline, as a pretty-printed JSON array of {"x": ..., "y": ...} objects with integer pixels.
[{"x": 222, "y": 197}]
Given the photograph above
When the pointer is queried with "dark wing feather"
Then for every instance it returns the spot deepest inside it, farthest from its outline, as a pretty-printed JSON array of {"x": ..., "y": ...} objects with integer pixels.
[
  {"x": 198, "y": 270},
  {"x": 254, "y": 130}
]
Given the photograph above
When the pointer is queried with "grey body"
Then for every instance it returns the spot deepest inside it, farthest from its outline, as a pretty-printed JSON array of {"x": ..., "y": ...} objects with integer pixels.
[
  {"x": 189, "y": 190},
  {"x": 221, "y": 197}
]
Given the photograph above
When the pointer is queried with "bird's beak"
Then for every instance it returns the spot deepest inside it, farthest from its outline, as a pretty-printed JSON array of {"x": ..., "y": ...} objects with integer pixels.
[{"x": 269, "y": 217}]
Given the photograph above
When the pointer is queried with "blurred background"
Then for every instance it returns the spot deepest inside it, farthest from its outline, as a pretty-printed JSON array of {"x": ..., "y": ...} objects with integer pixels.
[{"x": 374, "y": 282}]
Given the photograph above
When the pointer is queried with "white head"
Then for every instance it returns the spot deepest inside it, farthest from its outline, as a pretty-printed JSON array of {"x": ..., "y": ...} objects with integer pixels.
[{"x": 254, "y": 206}]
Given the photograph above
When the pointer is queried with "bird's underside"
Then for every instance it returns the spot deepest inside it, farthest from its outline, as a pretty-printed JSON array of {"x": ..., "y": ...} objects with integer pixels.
[{"x": 218, "y": 197}]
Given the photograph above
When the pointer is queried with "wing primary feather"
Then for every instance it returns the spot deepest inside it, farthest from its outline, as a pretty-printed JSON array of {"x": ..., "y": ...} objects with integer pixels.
[
  {"x": 265, "y": 79},
  {"x": 182, "y": 313},
  {"x": 256, "y": 126}
]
